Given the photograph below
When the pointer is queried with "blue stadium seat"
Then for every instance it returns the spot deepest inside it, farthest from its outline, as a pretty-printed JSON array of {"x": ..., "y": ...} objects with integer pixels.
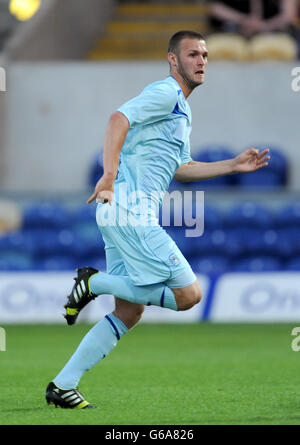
[
  {"x": 211, "y": 265},
  {"x": 286, "y": 243},
  {"x": 45, "y": 241},
  {"x": 212, "y": 219},
  {"x": 212, "y": 243},
  {"x": 293, "y": 264},
  {"x": 17, "y": 241},
  {"x": 234, "y": 243},
  {"x": 257, "y": 264},
  {"x": 213, "y": 153},
  {"x": 188, "y": 246},
  {"x": 93, "y": 261},
  {"x": 56, "y": 263},
  {"x": 85, "y": 213},
  {"x": 89, "y": 241},
  {"x": 261, "y": 178},
  {"x": 46, "y": 215},
  {"x": 288, "y": 215},
  {"x": 11, "y": 260},
  {"x": 249, "y": 214},
  {"x": 274, "y": 175},
  {"x": 96, "y": 170},
  {"x": 238, "y": 241}
]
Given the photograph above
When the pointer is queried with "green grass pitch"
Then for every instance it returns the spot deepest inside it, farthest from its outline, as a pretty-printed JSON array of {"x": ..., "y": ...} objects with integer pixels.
[{"x": 196, "y": 374}]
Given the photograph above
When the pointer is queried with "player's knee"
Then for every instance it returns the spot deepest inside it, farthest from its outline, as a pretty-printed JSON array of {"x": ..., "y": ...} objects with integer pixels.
[
  {"x": 130, "y": 314},
  {"x": 138, "y": 312},
  {"x": 189, "y": 300}
]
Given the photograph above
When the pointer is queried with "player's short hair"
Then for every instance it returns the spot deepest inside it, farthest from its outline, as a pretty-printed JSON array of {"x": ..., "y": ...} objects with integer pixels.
[{"x": 175, "y": 40}]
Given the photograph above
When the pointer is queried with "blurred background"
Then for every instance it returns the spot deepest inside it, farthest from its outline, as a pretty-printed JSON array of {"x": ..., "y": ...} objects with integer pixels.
[{"x": 66, "y": 66}]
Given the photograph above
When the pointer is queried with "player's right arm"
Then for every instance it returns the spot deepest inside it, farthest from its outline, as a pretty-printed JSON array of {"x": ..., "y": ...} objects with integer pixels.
[
  {"x": 155, "y": 102},
  {"x": 114, "y": 138}
]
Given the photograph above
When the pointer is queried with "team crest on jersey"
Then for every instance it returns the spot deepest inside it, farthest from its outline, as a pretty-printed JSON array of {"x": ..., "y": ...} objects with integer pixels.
[{"x": 174, "y": 259}]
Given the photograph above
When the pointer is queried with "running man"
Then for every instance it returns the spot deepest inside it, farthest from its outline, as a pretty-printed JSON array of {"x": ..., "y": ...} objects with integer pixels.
[{"x": 150, "y": 136}]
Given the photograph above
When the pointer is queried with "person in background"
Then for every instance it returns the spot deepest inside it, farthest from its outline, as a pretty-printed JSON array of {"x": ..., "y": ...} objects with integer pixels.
[{"x": 250, "y": 17}]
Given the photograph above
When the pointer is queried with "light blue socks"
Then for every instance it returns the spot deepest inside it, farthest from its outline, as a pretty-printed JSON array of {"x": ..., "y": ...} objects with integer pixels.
[
  {"x": 122, "y": 287},
  {"x": 103, "y": 337},
  {"x": 96, "y": 344}
]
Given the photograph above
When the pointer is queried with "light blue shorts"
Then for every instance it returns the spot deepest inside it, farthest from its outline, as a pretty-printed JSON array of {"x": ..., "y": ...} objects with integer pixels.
[{"x": 146, "y": 253}]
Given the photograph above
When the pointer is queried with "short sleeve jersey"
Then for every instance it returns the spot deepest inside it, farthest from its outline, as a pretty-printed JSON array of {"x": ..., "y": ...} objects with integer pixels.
[{"x": 157, "y": 142}]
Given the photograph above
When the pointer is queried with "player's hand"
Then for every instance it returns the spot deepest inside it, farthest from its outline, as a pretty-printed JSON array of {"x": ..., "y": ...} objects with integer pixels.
[
  {"x": 103, "y": 192},
  {"x": 250, "y": 160}
]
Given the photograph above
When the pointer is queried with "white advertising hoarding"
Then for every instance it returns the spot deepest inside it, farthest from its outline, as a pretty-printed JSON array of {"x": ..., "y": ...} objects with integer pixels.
[
  {"x": 39, "y": 297},
  {"x": 256, "y": 297}
]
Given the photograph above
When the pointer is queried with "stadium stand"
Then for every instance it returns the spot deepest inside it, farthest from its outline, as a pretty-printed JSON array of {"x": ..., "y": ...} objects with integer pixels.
[
  {"x": 141, "y": 30},
  {"x": 263, "y": 33},
  {"x": 245, "y": 236},
  {"x": 269, "y": 46}
]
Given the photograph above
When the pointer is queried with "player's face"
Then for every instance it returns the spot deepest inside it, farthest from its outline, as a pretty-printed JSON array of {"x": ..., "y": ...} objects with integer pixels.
[{"x": 192, "y": 61}]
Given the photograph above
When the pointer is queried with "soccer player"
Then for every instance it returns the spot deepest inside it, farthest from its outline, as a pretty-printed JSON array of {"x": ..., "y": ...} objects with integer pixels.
[{"x": 150, "y": 136}]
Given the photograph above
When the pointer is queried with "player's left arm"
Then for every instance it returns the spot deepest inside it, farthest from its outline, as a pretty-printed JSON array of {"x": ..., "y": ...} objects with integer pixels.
[{"x": 248, "y": 161}]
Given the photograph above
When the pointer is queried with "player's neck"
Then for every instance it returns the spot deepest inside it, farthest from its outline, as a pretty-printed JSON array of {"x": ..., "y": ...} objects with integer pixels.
[{"x": 184, "y": 87}]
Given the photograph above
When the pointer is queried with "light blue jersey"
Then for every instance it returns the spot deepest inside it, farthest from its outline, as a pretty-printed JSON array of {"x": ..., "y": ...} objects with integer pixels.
[{"x": 157, "y": 143}]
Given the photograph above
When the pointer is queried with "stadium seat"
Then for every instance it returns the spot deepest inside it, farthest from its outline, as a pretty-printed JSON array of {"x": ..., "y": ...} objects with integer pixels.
[
  {"x": 211, "y": 265},
  {"x": 96, "y": 170},
  {"x": 213, "y": 217},
  {"x": 274, "y": 175},
  {"x": 17, "y": 241},
  {"x": 44, "y": 241},
  {"x": 289, "y": 242},
  {"x": 227, "y": 46},
  {"x": 234, "y": 243},
  {"x": 188, "y": 246},
  {"x": 213, "y": 153},
  {"x": 188, "y": 216},
  {"x": 212, "y": 243},
  {"x": 15, "y": 261},
  {"x": 93, "y": 261},
  {"x": 56, "y": 263},
  {"x": 293, "y": 264},
  {"x": 257, "y": 264},
  {"x": 89, "y": 241},
  {"x": 273, "y": 46},
  {"x": 85, "y": 248},
  {"x": 46, "y": 215},
  {"x": 84, "y": 213},
  {"x": 248, "y": 214},
  {"x": 288, "y": 215}
]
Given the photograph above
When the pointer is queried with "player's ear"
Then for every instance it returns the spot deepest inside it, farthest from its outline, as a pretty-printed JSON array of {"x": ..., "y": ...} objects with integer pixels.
[{"x": 172, "y": 59}]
